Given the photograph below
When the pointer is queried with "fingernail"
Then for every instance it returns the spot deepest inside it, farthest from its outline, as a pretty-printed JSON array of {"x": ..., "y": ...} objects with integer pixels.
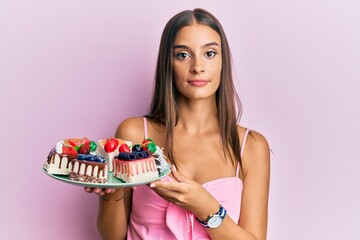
[
  {"x": 152, "y": 185},
  {"x": 174, "y": 168},
  {"x": 134, "y": 188}
]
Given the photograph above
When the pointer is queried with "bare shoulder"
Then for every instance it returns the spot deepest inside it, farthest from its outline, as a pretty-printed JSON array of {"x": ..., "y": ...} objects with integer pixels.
[
  {"x": 256, "y": 154},
  {"x": 255, "y": 139},
  {"x": 256, "y": 142},
  {"x": 131, "y": 129}
]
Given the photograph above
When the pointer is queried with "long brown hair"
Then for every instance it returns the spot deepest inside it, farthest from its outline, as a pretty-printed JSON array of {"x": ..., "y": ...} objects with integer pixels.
[{"x": 163, "y": 108}]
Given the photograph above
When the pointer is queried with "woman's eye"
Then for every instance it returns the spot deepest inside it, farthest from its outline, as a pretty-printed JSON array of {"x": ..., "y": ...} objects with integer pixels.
[
  {"x": 182, "y": 55},
  {"x": 210, "y": 54}
]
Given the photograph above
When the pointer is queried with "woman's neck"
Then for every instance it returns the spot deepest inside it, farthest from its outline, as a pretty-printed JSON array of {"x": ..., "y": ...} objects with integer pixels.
[{"x": 197, "y": 116}]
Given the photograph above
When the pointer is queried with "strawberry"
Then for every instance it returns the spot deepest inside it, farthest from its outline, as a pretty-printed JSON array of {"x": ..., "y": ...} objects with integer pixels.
[
  {"x": 111, "y": 145},
  {"x": 84, "y": 140},
  {"x": 149, "y": 145},
  {"x": 70, "y": 151},
  {"x": 85, "y": 148},
  {"x": 72, "y": 142},
  {"x": 124, "y": 148},
  {"x": 146, "y": 141},
  {"x": 65, "y": 150},
  {"x": 73, "y": 152}
]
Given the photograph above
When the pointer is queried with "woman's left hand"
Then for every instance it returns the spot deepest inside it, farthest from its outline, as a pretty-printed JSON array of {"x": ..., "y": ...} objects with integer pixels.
[{"x": 187, "y": 194}]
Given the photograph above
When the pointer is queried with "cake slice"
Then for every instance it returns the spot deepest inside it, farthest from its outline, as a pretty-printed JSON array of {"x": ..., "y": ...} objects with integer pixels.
[
  {"x": 58, "y": 163},
  {"x": 109, "y": 149},
  {"x": 59, "y": 160},
  {"x": 136, "y": 170},
  {"x": 89, "y": 168},
  {"x": 138, "y": 164}
]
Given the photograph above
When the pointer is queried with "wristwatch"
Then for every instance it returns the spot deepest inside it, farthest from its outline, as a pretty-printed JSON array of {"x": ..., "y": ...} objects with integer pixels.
[{"x": 214, "y": 220}]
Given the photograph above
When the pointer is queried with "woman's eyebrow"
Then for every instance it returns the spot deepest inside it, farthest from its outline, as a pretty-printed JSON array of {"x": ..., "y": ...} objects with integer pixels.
[
  {"x": 210, "y": 44},
  {"x": 187, "y": 47},
  {"x": 180, "y": 46}
]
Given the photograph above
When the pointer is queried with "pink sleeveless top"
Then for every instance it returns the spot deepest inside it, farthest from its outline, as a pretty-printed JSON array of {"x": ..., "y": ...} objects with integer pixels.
[{"x": 153, "y": 217}]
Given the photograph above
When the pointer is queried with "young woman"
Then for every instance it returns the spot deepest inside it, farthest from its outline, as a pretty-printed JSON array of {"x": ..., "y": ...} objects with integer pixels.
[{"x": 219, "y": 184}]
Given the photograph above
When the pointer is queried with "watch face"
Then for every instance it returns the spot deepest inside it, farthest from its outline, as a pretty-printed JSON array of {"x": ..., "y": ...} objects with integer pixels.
[{"x": 214, "y": 221}]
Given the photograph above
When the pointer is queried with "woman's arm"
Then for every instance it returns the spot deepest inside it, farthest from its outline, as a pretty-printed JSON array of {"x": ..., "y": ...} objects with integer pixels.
[
  {"x": 252, "y": 224},
  {"x": 254, "y": 201},
  {"x": 255, "y": 196},
  {"x": 113, "y": 214},
  {"x": 114, "y": 208}
]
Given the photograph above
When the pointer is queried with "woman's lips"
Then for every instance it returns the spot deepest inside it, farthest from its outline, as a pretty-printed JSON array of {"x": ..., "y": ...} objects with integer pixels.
[{"x": 198, "y": 83}]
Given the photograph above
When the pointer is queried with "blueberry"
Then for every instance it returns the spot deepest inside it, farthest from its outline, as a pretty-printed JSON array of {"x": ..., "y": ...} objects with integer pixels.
[
  {"x": 90, "y": 157},
  {"x": 139, "y": 155},
  {"x": 132, "y": 156},
  {"x": 123, "y": 156},
  {"x": 81, "y": 157},
  {"x": 97, "y": 158},
  {"x": 100, "y": 159},
  {"x": 146, "y": 154},
  {"x": 126, "y": 156},
  {"x": 136, "y": 148}
]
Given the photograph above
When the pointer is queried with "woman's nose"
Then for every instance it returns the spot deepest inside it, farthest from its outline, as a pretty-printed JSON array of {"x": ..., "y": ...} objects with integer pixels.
[{"x": 197, "y": 66}]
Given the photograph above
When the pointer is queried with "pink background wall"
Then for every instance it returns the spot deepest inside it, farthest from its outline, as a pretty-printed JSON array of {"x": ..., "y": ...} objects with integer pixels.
[{"x": 77, "y": 68}]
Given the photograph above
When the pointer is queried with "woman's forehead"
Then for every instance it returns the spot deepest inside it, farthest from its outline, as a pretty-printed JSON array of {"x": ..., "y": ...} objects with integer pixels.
[{"x": 197, "y": 35}]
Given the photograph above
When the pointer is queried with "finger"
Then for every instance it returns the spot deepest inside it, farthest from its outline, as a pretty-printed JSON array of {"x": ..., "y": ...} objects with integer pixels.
[
  {"x": 87, "y": 189},
  {"x": 109, "y": 190},
  {"x": 173, "y": 186},
  {"x": 97, "y": 190},
  {"x": 170, "y": 195}
]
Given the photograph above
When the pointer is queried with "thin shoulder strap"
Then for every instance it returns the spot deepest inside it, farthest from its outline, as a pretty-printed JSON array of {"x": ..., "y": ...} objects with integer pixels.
[
  {"x": 145, "y": 128},
  {"x": 244, "y": 141},
  {"x": 242, "y": 150}
]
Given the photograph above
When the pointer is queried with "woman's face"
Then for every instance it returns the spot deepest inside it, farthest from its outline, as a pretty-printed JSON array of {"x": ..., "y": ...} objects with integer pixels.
[{"x": 197, "y": 61}]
